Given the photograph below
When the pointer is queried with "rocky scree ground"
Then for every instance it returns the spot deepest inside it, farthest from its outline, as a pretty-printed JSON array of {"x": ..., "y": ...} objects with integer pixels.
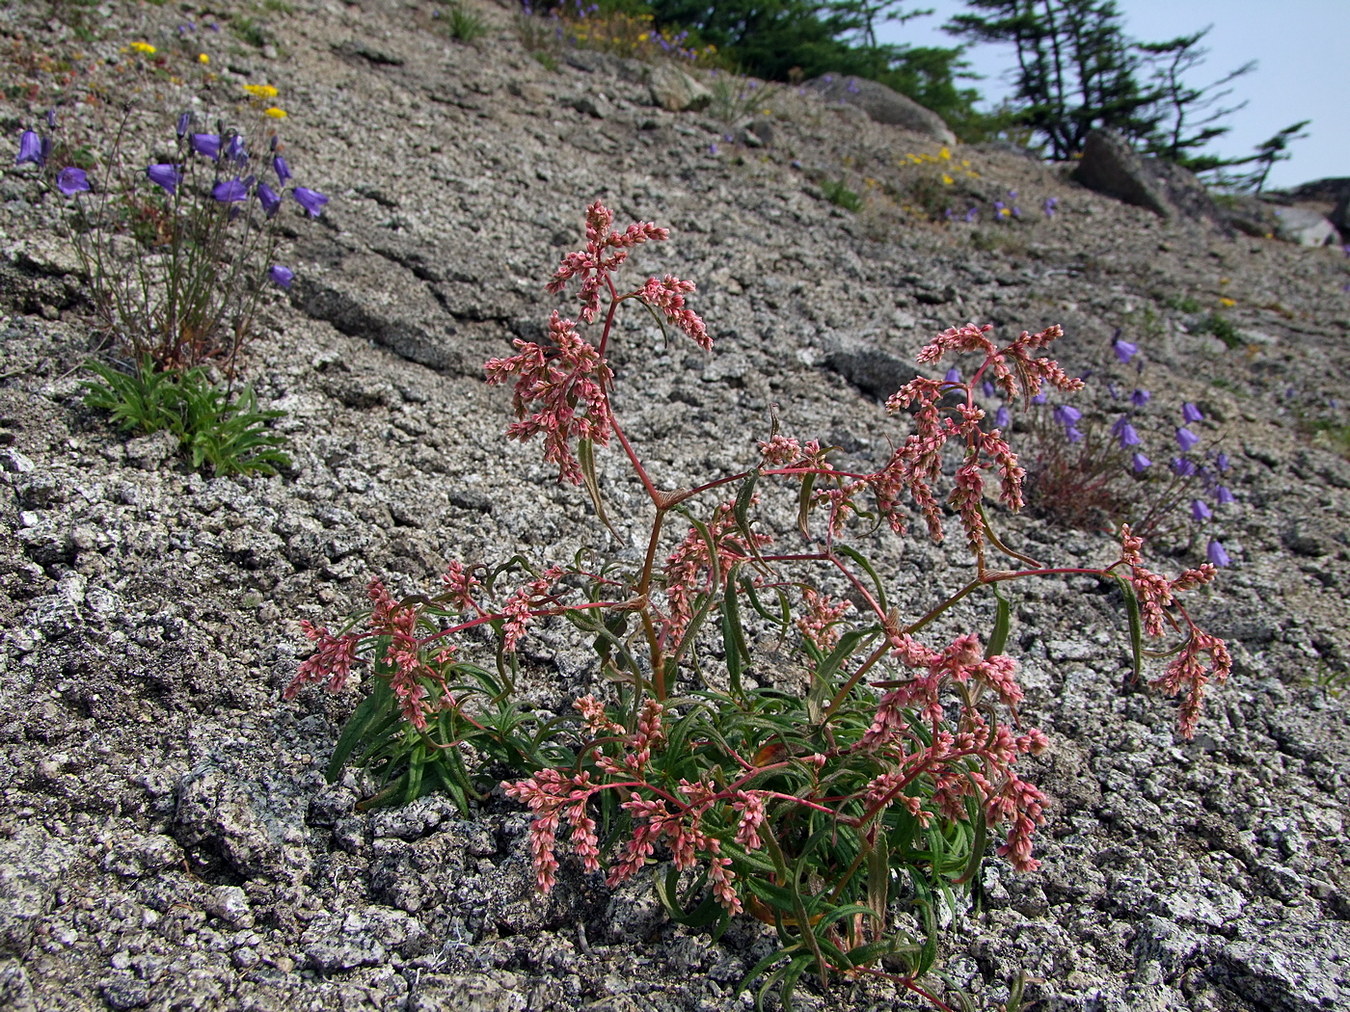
[{"x": 166, "y": 836}]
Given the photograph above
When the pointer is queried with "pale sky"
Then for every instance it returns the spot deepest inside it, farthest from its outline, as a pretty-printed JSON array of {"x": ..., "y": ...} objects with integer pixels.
[{"x": 1300, "y": 46}]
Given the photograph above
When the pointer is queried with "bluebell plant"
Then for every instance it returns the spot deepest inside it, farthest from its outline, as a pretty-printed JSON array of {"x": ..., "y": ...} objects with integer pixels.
[{"x": 178, "y": 251}]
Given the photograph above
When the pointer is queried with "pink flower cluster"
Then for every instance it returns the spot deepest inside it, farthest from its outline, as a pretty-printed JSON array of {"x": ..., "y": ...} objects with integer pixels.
[
  {"x": 527, "y": 601},
  {"x": 822, "y": 616},
  {"x": 560, "y": 391},
  {"x": 672, "y": 816},
  {"x": 403, "y": 664},
  {"x": 554, "y": 797},
  {"x": 562, "y": 388},
  {"x": 1187, "y": 673},
  {"x": 689, "y": 568},
  {"x": 974, "y": 761},
  {"x": 605, "y": 251},
  {"x": 331, "y": 661},
  {"x": 1015, "y": 369},
  {"x": 916, "y": 466},
  {"x": 667, "y": 295}
]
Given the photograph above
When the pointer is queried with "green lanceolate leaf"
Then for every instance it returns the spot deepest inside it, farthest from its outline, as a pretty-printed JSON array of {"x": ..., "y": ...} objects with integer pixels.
[
  {"x": 745, "y": 496},
  {"x": 823, "y": 679},
  {"x": 704, "y": 913},
  {"x": 1136, "y": 625},
  {"x": 363, "y": 724},
  {"x": 733, "y": 638},
  {"x": 998, "y": 639},
  {"x": 804, "y": 500},
  {"x": 586, "y": 457}
]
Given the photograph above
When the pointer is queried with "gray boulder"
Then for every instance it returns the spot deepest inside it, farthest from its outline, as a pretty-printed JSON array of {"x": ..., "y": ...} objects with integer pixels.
[
  {"x": 1305, "y": 226},
  {"x": 883, "y": 105},
  {"x": 1110, "y": 166},
  {"x": 676, "y": 91}
]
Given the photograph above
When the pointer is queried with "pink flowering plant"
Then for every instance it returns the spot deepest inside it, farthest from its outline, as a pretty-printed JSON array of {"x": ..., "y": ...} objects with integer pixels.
[{"x": 843, "y": 812}]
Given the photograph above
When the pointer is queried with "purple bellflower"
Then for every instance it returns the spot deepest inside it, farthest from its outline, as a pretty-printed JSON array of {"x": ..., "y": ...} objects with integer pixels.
[
  {"x": 228, "y": 191},
  {"x": 1186, "y": 439},
  {"x": 1221, "y": 462},
  {"x": 206, "y": 145},
  {"x": 30, "y": 149},
  {"x": 166, "y": 176},
  {"x": 1067, "y": 415},
  {"x": 1223, "y": 495},
  {"x": 1182, "y": 467},
  {"x": 280, "y": 167},
  {"x": 283, "y": 276},
  {"x": 71, "y": 181},
  {"x": 1190, "y": 413},
  {"x": 1124, "y": 350},
  {"x": 1138, "y": 462},
  {"x": 1140, "y": 397},
  {"x": 235, "y": 151},
  {"x": 311, "y": 200},
  {"x": 269, "y": 199},
  {"x": 1216, "y": 555},
  {"x": 953, "y": 375},
  {"x": 1128, "y": 436},
  {"x": 1200, "y": 510},
  {"x": 1002, "y": 419}
]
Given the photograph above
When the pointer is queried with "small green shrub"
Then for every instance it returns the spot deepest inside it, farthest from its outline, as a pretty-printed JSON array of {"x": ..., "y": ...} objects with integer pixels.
[
  {"x": 462, "y": 25},
  {"x": 1222, "y": 328},
  {"x": 1182, "y": 303},
  {"x": 736, "y": 98},
  {"x": 838, "y": 193},
  {"x": 251, "y": 31},
  {"x": 231, "y": 437}
]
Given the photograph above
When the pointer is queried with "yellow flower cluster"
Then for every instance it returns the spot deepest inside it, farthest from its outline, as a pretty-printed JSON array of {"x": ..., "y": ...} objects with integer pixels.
[
  {"x": 261, "y": 90},
  {"x": 144, "y": 47},
  {"x": 951, "y": 168}
]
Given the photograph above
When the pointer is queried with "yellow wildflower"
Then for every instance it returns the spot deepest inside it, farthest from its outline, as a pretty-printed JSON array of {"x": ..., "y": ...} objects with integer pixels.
[
  {"x": 1227, "y": 303},
  {"x": 945, "y": 153},
  {"x": 275, "y": 113},
  {"x": 947, "y": 180},
  {"x": 261, "y": 90},
  {"x": 203, "y": 59},
  {"x": 644, "y": 36},
  {"x": 144, "y": 47}
]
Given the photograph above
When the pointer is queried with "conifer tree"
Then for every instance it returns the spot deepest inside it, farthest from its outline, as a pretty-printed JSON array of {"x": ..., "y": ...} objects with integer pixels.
[
  {"x": 1188, "y": 121},
  {"x": 1077, "y": 70}
]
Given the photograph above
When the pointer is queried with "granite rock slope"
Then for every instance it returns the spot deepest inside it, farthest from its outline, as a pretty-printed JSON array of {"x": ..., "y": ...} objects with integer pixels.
[{"x": 167, "y": 839}]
